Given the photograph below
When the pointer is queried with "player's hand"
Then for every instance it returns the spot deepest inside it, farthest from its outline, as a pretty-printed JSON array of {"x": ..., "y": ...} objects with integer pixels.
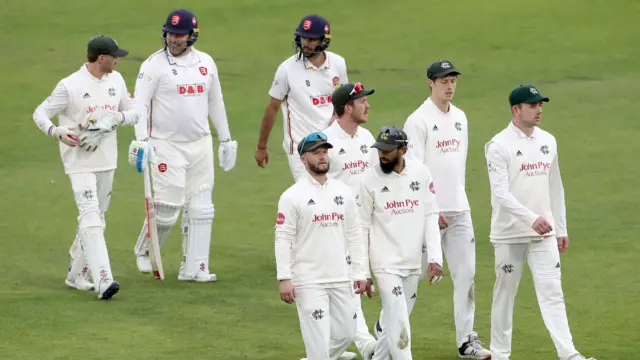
[
  {"x": 369, "y": 289},
  {"x": 137, "y": 157},
  {"x": 227, "y": 154},
  {"x": 262, "y": 157},
  {"x": 360, "y": 286},
  {"x": 287, "y": 291},
  {"x": 67, "y": 136},
  {"x": 442, "y": 221},
  {"x": 435, "y": 273},
  {"x": 106, "y": 123},
  {"x": 563, "y": 244},
  {"x": 542, "y": 226},
  {"x": 89, "y": 140}
]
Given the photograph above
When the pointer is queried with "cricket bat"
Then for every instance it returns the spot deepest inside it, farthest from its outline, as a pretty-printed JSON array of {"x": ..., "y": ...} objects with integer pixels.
[{"x": 152, "y": 229}]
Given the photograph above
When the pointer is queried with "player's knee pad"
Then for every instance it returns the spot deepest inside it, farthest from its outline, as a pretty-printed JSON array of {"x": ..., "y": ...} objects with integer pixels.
[
  {"x": 166, "y": 214},
  {"x": 200, "y": 207},
  {"x": 90, "y": 217}
]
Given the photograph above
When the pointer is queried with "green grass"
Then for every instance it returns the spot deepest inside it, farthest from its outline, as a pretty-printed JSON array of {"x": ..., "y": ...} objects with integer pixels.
[{"x": 582, "y": 54}]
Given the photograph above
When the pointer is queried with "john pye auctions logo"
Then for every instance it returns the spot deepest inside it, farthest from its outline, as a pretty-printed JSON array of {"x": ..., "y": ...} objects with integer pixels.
[
  {"x": 536, "y": 169},
  {"x": 328, "y": 219},
  {"x": 356, "y": 167},
  {"x": 446, "y": 146},
  {"x": 401, "y": 207}
]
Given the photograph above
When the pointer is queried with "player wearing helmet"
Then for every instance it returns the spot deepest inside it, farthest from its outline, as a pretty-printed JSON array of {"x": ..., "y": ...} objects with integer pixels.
[
  {"x": 180, "y": 87},
  {"x": 302, "y": 88}
]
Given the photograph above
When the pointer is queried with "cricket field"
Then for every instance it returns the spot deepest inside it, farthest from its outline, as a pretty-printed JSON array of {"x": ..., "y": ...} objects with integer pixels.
[{"x": 583, "y": 54}]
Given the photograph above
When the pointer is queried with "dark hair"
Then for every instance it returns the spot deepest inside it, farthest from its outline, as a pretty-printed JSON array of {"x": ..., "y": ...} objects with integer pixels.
[{"x": 92, "y": 57}]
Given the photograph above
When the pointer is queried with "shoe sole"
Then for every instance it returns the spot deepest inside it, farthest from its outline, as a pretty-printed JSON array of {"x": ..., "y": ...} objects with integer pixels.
[
  {"x": 111, "y": 290},
  {"x": 74, "y": 286},
  {"x": 488, "y": 357}
]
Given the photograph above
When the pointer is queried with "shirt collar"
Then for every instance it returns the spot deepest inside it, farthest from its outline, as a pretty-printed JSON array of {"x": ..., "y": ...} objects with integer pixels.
[
  {"x": 314, "y": 182},
  {"x": 404, "y": 172},
  {"x": 85, "y": 70},
  {"x": 340, "y": 131},
  {"x": 326, "y": 65},
  {"x": 435, "y": 108},
  {"x": 521, "y": 134}
]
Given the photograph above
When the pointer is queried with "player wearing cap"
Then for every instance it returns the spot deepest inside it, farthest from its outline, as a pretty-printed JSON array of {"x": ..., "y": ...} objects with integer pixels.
[
  {"x": 90, "y": 104},
  {"x": 439, "y": 139},
  {"x": 302, "y": 87},
  {"x": 180, "y": 87},
  {"x": 399, "y": 216},
  {"x": 318, "y": 234},
  {"x": 349, "y": 158},
  {"x": 528, "y": 222}
]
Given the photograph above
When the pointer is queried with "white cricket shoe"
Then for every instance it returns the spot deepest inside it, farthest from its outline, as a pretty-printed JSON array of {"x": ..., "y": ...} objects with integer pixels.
[
  {"x": 107, "y": 288},
  {"x": 144, "y": 263},
  {"x": 79, "y": 281},
  {"x": 348, "y": 356},
  {"x": 580, "y": 357},
  {"x": 367, "y": 351},
  {"x": 473, "y": 349},
  {"x": 201, "y": 276}
]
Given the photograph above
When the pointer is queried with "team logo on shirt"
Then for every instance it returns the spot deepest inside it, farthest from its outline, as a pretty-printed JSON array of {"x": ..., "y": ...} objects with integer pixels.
[
  {"x": 364, "y": 149},
  {"x": 447, "y": 146},
  {"x": 336, "y": 81},
  {"x": 191, "y": 89},
  {"x": 280, "y": 219},
  {"x": 339, "y": 200},
  {"x": 544, "y": 149},
  {"x": 320, "y": 100},
  {"x": 402, "y": 207},
  {"x": 203, "y": 70},
  {"x": 328, "y": 219},
  {"x": 458, "y": 126},
  {"x": 540, "y": 168},
  {"x": 414, "y": 186},
  {"x": 431, "y": 188}
]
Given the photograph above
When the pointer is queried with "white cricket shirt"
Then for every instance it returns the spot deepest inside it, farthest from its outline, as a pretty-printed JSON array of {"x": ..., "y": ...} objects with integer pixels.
[
  {"x": 73, "y": 99},
  {"x": 399, "y": 212},
  {"x": 440, "y": 141},
  {"x": 318, "y": 234},
  {"x": 305, "y": 92},
  {"x": 181, "y": 93},
  {"x": 524, "y": 175},
  {"x": 350, "y": 155}
]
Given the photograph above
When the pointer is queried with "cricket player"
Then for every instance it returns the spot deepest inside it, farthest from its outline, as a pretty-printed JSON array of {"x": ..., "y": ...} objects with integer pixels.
[
  {"x": 302, "y": 87},
  {"x": 349, "y": 158},
  {"x": 94, "y": 98},
  {"x": 318, "y": 237},
  {"x": 180, "y": 87},
  {"x": 439, "y": 138},
  {"x": 528, "y": 222},
  {"x": 399, "y": 215}
]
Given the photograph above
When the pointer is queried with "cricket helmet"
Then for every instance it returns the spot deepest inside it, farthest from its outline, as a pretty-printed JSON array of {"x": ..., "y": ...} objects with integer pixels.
[
  {"x": 313, "y": 27},
  {"x": 181, "y": 21}
]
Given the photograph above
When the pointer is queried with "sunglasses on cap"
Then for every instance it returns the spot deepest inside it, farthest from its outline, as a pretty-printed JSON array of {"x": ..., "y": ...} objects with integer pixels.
[
  {"x": 357, "y": 89},
  {"x": 311, "y": 138}
]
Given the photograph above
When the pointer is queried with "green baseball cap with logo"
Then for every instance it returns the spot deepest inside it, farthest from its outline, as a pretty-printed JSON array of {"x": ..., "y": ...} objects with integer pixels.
[
  {"x": 347, "y": 92},
  {"x": 441, "y": 68},
  {"x": 390, "y": 138},
  {"x": 526, "y": 94},
  {"x": 104, "y": 45}
]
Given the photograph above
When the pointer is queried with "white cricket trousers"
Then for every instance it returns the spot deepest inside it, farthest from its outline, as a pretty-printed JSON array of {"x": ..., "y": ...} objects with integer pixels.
[
  {"x": 459, "y": 248},
  {"x": 398, "y": 294},
  {"x": 327, "y": 320},
  {"x": 92, "y": 193},
  {"x": 543, "y": 258}
]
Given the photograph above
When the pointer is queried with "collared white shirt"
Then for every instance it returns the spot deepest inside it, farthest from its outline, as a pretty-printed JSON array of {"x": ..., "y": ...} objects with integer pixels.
[
  {"x": 399, "y": 212},
  {"x": 524, "y": 176},
  {"x": 440, "y": 141},
  {"x": 318, "y": 234},
  {"x": 181, "y": 93},
  {"x": 305, "y": 92},
  {"x": 351, "y": 155},
  {"x": 73, "y": 100}
]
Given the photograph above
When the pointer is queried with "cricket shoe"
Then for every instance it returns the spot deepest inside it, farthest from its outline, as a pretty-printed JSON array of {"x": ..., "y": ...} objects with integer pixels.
[
  {"x": 144, "y": 263},
  {"x": 345, "y": 356},
  {"x": 579, "y": 357},
  {"x": 107, "y": 288},
  {"x": 79, "y": 281},
  {"x": 367, "y": 351},
  {"x": 473, "y": 349},
  {"x": 201, "y": 276}
]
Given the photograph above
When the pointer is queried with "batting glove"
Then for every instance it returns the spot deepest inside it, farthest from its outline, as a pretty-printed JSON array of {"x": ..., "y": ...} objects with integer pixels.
[
  {"x": 227, "y": 154},
  {"x": 65, "y": 135}
]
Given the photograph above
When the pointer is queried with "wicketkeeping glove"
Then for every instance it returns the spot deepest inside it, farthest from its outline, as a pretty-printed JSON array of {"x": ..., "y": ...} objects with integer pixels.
[
  {"x": 90, "y": 139},
  {"x": 227, "y": 154},
  {"x": 65, "y": 135}
]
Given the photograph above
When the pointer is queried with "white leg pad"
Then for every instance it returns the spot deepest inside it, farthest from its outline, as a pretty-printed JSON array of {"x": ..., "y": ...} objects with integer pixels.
[
  {"x": 200, "y": 220},
  {"x": 184, "y": 229},
  {"x": 166, "y": 217}
]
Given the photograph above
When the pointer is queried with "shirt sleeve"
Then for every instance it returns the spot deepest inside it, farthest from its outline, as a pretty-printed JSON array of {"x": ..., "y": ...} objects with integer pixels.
[
  {"x": 131, "y": 111},
  {"x": 417, "y": 134},
  {"x": 432, "y": 238},
  {"x": 344, "y": 78},
  {"x": 285, "y": 234},
  {"x": 364, "y": 203},
  {"x": 558, "y": 208},
  {"x": 56, "y": 103},
  {"x": 355, "y": 241},
  {"x": 498, "y": 168},
  {"x": 217, "y": 111},
  {"x": 145, "y": 89},
  {"x": 280, "y": 86}
]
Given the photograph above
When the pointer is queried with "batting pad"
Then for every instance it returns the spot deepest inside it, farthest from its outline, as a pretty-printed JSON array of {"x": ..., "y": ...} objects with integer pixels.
[
  {"x": 200, "y": 220},
  {"x": 95, "y": 247},
  {"x": 166, "y": 217}
]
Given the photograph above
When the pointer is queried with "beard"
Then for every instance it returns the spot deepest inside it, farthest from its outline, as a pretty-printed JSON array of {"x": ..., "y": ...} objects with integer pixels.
[
  {"x": 316, "y": 169},
  {"x": 388, "y": 167}
]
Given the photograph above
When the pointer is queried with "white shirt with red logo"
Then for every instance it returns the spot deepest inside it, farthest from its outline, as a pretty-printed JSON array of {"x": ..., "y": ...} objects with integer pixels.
[
  {"x": 318, "y": 234},
  {"x": 181, "y": 93},
  {"x": 440, "y": 141},
  {"x": 72, "y": 100},
  {"x": 399, "y": 212},
  {"x": 524, "y": 175},
  {"x": 350, "y": 155},
  {"x": 305, "y": 92}
]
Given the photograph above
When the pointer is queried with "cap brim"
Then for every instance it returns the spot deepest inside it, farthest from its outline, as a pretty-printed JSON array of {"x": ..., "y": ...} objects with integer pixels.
[
  {"x": 384, "y": 146},
  {"x": 317, "y": 146},
  {"x": 120, "y": 53},
  {"x": 537, "y": 99},
  {"x": 365, "y": 92},
  {"x": 446, "y": 73}
]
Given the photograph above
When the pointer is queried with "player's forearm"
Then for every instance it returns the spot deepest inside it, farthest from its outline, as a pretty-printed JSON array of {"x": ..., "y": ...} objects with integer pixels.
[
  {"x": 558, "y": 206},
  {"x": 432, "y": 239},
  {"x": 357, "y": 250},
  {"x": 218, "y": 115},
  {"x": 41, "y": 118},
  {"x": 268, "y": 120},
  {"x": 283, "y": 255}
]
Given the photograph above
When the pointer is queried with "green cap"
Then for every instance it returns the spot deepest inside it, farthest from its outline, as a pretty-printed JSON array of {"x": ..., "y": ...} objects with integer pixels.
[
  {"x": 390, "y": 138},
  {"x": 104, "y": 45},
  {"x": 526, "y": 94},
  {"x": 313, "y": 141},
  {"x": 348, "y": 92},
  {"x": 441, "y": 68}
]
